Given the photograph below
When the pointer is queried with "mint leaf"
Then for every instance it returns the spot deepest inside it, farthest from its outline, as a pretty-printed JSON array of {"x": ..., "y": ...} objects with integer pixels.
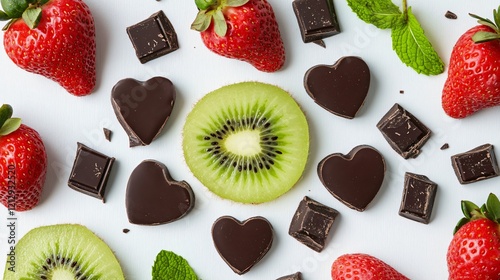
[
  {"x": 382, "y": 13},
  {"x": 170, "y": 266},
  {"x": 414, "y": 49}
]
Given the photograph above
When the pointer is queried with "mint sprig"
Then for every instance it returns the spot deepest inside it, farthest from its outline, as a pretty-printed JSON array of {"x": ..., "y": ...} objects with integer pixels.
[
  {"x": 169, "y": 265},
  {"x": 408, "y": 38}
]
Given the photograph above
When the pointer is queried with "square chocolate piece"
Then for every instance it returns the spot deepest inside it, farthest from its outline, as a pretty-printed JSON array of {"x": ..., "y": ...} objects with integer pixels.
[
  {"x": 418, "y": 198},
  {"x": 475, "y": 165},
  {"x": 153, "y": 37},
  {"x": 316, "y": 18},
  {"x": 311, "y": 223},
  {"x": 295, "y": 276},
  {"x": 404, "y": 133},
  {"x": 90, "y": 172}
]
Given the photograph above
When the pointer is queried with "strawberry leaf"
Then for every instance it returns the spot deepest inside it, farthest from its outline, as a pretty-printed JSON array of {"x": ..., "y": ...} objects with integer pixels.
[
  {"x": 220, "y": 24},
  {"x": 468, "y": 208},
  {"x": 202, "y": 21},
  {"x": 10, "y": 126},
  {"x": 493, "y": 207},
  {"x": 14, "y": 8},
  {"x": 236, "y": 3},
  {"x": 484, "y": 36},
  {"x": 32, "y": 16},
  {"x": 6, "y": 112},
  {"x": 4, "y": 16},
  {"x": 460, "y": 223},
  {"x": 484, "y": 21},
  {"x": 205, "y": 4}
]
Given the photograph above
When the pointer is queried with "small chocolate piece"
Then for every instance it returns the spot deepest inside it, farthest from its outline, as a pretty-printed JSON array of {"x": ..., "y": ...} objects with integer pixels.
[
  {"x": 475, "y": 165},
  {"x": 311, "y": 223},
  {"x": 354, "y": 179},
  {"x": 403, "y": 131},
  {"x": 107, "y": 134},
  {"x": 126, "y": 230},
  {"x": 90, "y": 172},
  {"x": 153, "y": 37},
  {"x": 143, "y": 108},
  {"x": 450, "y": 15},
  {"x": 445, "y": 146},
  {"x": 401, "y": 91},
  {"x": 154, "y": 198},
  {"x": 340, "y": 88},
  {"x": 418, "y": 198},
  {"x": 242, "y": 244},
  {"x": 295, "y": 276},
  {"x": 317, "y": 19}
]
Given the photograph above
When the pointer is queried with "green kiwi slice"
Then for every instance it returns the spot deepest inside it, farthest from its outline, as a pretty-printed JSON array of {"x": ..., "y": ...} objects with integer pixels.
[
  {"x": 247, "y": 142},
  {"x": 62, "y": 252}
]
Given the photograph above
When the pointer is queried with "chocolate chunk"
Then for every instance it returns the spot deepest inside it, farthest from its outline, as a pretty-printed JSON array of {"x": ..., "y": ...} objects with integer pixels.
[
  {"x": 445, "y": 146},
  {"x": 311, "y": 223},
  {"x": 90, "y": 171},
  {"x": 242, "y": 244},
  {"x": 107, "y": 133},
  {"x": 154, "y": 198},
  {"x": 317, "y": 19},
  {"x": 418, "y": 198},
  {"x": 355, "y": 178},
  {"x": 126, "y": 230},
  {"x": 475, "y": 165},
  {"x": 450, "y": 15},
  {"x": 143, "y": 108},
  {"x": 405, "y": 133},
  {"x": 340, "y": 88},
  {"x": 153, "y": 37},
  {"x": 295, "y": 276},
  {"x": 401, "y": 91}
]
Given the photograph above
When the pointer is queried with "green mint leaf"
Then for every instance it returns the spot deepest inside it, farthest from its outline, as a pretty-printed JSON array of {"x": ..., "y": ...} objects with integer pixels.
[
  {"x": 169, "y": 265},
  {"x": 414, "y": 49},
  {"x": 382, "y": 13},
  {"x": 10, "y": 126}
]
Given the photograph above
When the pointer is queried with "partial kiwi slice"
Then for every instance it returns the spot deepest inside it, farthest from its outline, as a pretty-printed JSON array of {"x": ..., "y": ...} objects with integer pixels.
[
  {"x": 247, "y": 142},
  {"x": 62, "y": 252}
]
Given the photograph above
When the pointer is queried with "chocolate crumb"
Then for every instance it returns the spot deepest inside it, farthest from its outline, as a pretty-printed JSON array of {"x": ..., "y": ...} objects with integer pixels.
[
  {"x": 401, "y": 91},
  {"x": 450, "y": 15},
  {"x": 445, "y": 146},
  {"x": 126, "y": 230},
  {"x": 107, "y": 134}
]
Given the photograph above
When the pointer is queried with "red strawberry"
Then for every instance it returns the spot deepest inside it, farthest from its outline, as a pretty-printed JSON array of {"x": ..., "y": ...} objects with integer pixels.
[
  {"x": 474, "y": 251},
  {"x": 363, "y": 267},
  {"x": 242, "y": 29},
  {"x": 60, "y": 44},
  {"x": 23, "y": 163},
  {"x": 473, "y": 81}
]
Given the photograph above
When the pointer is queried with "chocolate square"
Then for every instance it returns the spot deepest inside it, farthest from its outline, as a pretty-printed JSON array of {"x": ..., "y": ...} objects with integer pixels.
[
  {"x": 90, "y": 172},
  {"x": 295, "y": 276},
  {"x": 316, "y": 18},
  {"x": 153, "y": 37},
  {"x": 475, "y": 165},
  {"x": 311, "y": 223},
  {"x": 418, "y": 198},
  {"x": 403, "y": 131}
]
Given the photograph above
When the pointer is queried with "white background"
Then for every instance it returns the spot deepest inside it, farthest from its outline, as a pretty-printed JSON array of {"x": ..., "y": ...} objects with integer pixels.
[{"x": 415, "y": 249}]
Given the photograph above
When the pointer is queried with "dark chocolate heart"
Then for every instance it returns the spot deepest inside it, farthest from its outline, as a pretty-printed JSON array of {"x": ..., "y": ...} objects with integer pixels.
[
  {"x": 154, "y": 198},
  {"x": 242, "y": 244},
  {"x": 143, "y": 108},
  {"x": 341, "y": 88},
  {"x": 355, "y": 178}
]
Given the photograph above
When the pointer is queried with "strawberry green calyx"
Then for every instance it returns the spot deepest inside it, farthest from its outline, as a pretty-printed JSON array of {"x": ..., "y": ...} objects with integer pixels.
[
  {"x": 486, "y": 36},
  {"x": 212, "y": 11},
  {"x": 7, "y": 123},
  {"x": 490, "y": 210},
  {"x": 29, "y": 10}
]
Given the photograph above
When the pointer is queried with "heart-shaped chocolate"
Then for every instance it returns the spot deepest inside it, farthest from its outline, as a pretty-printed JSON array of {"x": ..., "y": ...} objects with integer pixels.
[
  {"x": 242, "y": 244},
  {"x": 143, "y": 108},
  {"x": 154, "y": 198},
  {"x": 355, "y": 178},
  {"x": 341, "y": 88}
]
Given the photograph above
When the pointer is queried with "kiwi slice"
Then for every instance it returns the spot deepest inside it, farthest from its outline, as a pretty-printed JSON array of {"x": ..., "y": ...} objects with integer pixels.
[
  {"x": 247, "y": 142},
  {"x": 62, "y": 252}
]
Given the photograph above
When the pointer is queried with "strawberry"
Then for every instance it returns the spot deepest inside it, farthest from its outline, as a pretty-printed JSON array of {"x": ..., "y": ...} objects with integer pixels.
[
  {"x": 473, "y": 81},
  {"x": 242, "y": 29},
  {"x": 474, "y": 251},
  {"x": 23, "y": 163},
  {"x": 54, "y": 38},
  {"x": 363, "y": 267}
]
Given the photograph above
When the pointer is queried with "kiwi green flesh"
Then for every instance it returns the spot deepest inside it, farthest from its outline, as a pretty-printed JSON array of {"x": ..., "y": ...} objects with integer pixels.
[
  {"x": 64, "y": 251},
  {"x": 247, "y": 142}
]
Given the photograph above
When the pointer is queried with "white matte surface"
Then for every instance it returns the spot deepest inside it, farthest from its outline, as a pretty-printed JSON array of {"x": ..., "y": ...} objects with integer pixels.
[{"x": 415, "y": 249}]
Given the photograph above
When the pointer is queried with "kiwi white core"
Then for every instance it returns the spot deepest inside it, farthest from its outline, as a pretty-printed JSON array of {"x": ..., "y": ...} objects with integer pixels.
[{"x": 243, "y": 143}]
